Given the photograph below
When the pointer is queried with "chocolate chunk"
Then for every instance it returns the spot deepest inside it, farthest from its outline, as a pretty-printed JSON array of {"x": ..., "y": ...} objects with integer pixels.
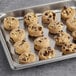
[
  {"x": 29, "y": 16},
  {"x": 11, "y": 40},
  {"x": 22, "y": 42},
  {"x": 46, "y": 53},
  {"x": 65, "y": 7},
  {"x": 40, "y": 28},
  {"x": 49, "y": 48},
  {"x": 70, "y": 44},
  {"x": 63, "y": 47},
  {"x": 67, "y": 12},
  {"x": 40, "y": 41},
  {"x": 46, "y": 13},
  {"x": 24, "y": 59},
  {"x": 48, "y": 19},
  {"x": 13, "y": 18},
  {"x": 67, "y": 49},
  {"x": 54, "y": 16},
  {"x": 57, "y": 23},
  {"x": 50, "y": 16},
  {"x": 17, "y": 30}
]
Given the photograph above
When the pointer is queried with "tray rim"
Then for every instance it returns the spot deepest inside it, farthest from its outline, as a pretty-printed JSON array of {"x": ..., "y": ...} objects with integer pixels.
[{"x": 9, "y": 58}]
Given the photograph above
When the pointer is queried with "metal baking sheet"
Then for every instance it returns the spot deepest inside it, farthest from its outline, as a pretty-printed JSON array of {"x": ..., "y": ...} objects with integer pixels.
[{"x": 19, "y": 13}]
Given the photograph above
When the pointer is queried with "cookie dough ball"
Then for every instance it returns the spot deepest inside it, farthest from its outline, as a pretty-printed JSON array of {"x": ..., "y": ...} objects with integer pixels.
[
  {"x": 55, "y": 27},
  {"x": 41, "y": 42},
  {"x": 30, "y": 18},
  {"x": 11, "y": 23},
  {"x": 48, "y": 16},
  {"x": 62, "y": 38},
  {"x": 46, "y": 53},
  {"x": 17, "y": 35},
  {"x": 68, "y": 48},
  {"x": 35, "y": 30},
  {"x": 67, "y": 13},
  {"x": 21, "y": 47},
  {"x": 74, "y": 35},
  {"x": 71, "y": 24},
  {"x": 27, "y": 57}
]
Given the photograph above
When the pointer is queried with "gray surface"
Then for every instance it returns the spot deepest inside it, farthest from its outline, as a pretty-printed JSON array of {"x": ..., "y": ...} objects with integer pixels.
[{"x": 63, "y": 68}]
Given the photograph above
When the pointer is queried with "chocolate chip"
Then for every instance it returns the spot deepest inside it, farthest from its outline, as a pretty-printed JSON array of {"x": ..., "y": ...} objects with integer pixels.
[
  {"x": 40, "y": 41},
  {"x": 33, "y": 27},
  {"x": 9, "y": 26},
  {"x": 46, "y": 13},
  {"x": 67, "y": 49},
  {"x": 67, "y": 12},
  {"x": 65, "y": 7},
  {"x": 57, "y": 23},
  {"x": 48, "y": 19},
  {"x": 22, "y": 42},
  {"x": 40, "y": 28},
  {"x": 74, "y": 48},
  {"x": 63, "y": 47},
  {"x": 24, "y": 59},
  {"x": 29, "y": 16},
  {"x": 50, "y": 16},
  {"x": 49, "y": 48},
  {"x": 68, "y": 37},
  {"x": 11, "y": 40},
  {"x": 46, "y": 53},
  {"x": 54, "y": 16},
  {"x": 70, "y": 44},
  {"x": 18, "y": 30},
  {"x": 13, "y": 19}
]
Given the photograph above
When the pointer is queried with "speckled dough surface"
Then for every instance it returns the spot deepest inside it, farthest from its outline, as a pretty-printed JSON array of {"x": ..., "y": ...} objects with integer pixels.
[
  {"x": 41, "y": 42},
  {"x": 11, "y": 23},
  {"x": 27, "y": 57},
  {"x": 30, "y": 18},
  {"x": 67, "y": 13},
  {"x": 46, "y": 53},
  {"x": 21, "y": 46},
  {"x": 71, "y": 24},
  {"x": 55, "y": 27},
  {"x": 62, "y": 38},
  {"x": 35, "y": 30},
  {"x": 48, "y": 16},
  {"x": 69, "y": 48},
  {"x": 17, "y": 35}
]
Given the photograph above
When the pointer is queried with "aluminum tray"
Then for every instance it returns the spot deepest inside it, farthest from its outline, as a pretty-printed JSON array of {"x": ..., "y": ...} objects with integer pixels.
[{"x": 19, "y": 13}]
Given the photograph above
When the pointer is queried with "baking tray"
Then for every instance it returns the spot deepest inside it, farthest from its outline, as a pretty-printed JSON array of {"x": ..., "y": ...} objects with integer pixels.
[{"x": 19, "y": 13}]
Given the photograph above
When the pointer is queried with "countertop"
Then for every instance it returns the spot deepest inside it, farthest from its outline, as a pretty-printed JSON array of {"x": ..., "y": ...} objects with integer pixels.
[{"x": 62, "y": 68}]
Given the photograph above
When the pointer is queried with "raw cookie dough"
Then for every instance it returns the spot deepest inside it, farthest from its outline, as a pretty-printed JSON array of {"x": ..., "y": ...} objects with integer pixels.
[
  {"x": 55, "y": 27},
  {"x": 35, "y": 30},
  {"x": 21, "y": 47},
  {"x": 29, "y": 18},
  {"x": 48, "y": 16},
  {"x": 11, "y": 23},
  {"x": 27, "y": 57},
  {"x": 71, "y": 24},
  {"x": 74, "y": 35},
  {"x": 17, "y": 35},
  {"x": 41, "y": 42},
  {"x": 68, "y": 48},
  {"x": 67, "y": 13},
  {"x": 62, "y": 38},
  {"x": 46, "y": 53}
]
